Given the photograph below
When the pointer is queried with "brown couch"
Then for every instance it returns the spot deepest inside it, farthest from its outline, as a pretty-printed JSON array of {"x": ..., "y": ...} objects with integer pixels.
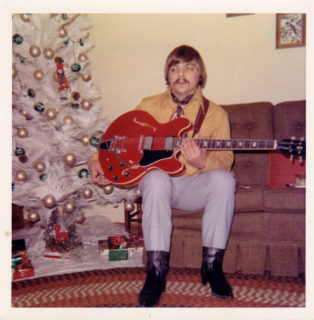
[{"x": 268, "y": 230}]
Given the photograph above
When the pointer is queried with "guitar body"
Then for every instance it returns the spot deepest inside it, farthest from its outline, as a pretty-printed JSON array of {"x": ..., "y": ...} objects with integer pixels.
[{"x": 121, "y": 152}]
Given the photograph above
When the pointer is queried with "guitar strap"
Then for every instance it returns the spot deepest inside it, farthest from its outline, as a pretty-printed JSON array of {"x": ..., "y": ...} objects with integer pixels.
[{"x": 200, "y": 116}]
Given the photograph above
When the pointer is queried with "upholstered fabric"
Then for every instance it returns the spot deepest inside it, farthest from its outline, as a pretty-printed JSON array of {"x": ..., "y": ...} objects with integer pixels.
[{"x": 268, "y": 230}]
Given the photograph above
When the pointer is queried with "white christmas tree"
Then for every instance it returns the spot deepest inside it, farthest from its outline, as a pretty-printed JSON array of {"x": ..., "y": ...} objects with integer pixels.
[{"x": 56, "y": 124}]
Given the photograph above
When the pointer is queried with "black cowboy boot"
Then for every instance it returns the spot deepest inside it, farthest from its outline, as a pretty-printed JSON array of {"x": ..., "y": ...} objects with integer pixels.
[
  {"x": 155, "y": 283},
  {"x": 211, "y": 272}
]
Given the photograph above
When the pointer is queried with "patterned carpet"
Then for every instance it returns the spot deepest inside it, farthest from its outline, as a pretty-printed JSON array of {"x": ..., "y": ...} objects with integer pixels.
[{"x": 120, "y": 288}]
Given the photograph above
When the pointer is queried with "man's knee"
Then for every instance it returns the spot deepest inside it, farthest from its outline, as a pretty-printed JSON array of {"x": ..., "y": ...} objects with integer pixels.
[
  {"x": 155, "y": 180},
  {"x": 222, "y": 180}
]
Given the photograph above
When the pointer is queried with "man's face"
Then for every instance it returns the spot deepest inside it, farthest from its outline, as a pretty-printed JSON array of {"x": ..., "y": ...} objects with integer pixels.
[{"x": 184, "y": 78}]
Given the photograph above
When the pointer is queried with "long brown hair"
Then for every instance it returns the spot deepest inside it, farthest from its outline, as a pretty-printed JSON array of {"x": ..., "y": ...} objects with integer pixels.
[{"x": 185, "y": 53}]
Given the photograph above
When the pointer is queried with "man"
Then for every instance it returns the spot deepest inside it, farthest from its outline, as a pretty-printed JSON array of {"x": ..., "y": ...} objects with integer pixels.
[{"x": 206, "y": 183}]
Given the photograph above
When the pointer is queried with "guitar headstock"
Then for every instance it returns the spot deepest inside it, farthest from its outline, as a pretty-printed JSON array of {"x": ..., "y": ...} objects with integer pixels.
[{"x": 293, "y": 147}]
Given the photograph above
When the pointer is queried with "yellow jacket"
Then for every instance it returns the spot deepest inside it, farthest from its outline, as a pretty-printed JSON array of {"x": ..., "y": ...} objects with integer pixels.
[{"x": 215, "y": 126}]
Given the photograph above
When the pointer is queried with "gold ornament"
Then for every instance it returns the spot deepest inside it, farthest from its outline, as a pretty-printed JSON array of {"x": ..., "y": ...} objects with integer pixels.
[
  {"x": 48, "y": 52},
  {"x": 49, "y": 201},
  {"x": 108, "y": 189},
  {"x": 138, "y": 192},
  {"x": 69, "y": 207},
  {"x": 34, "y": 51},
  {"x": 62, "y": 32},
  {"x": 21, "y": 175},
  {"x": 14, "y": 71},
  {"x": 69, "y": 159},
  {"x": 33, "y": 216},
  {"x": 26, "y": 115},
  {"x": 80, "y": 219},
  {"x": 86, "y": 77},
  {"x": 129, "y": 206},
  {"x": 40, "y": 166},
  {"x": 68, "y": 120},
  {"x": 22, "y": 133},
  {"x": 51, "y": 113},
  {"x": 86, "y": 104},
  {"x": 85, "y": 140},
  {"x": 82, "y": 57},
  {"x": 38, "y": 74},
  {"x": 87, "y": 193},
  {"x": 25, "y": 17}
]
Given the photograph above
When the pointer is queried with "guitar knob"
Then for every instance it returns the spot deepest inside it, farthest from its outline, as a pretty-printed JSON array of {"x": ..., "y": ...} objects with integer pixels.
[
  {"x": 110, "y": 168},
  {"x": 115, "y": 178},
  {"x": 127, "y": 174}
]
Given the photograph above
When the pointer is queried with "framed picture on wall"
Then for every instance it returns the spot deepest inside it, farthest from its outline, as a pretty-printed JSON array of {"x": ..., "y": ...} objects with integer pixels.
[{"x": 290, "y": 30}]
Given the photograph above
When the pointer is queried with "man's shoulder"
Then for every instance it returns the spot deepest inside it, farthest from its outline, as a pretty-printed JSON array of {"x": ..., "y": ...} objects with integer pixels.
[
  {"x": 156, "y": 100},
  {"x": 215, "y": 108},
  {"x": 155, "y": 97}
]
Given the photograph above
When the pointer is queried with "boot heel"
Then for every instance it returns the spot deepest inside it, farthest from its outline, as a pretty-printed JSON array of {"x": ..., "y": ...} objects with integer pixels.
[{"x": 204, "y": 278}]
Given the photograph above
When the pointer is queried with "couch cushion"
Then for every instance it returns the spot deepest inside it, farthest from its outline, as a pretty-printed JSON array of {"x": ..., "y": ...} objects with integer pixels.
[
  {"x": 191, "y": 220},
  {"x": 285, "y": 199},
  {"x": 289, "y": 120},
  {"x": 250, "y": 198},
  {"x": 251, "y": 121},
  {"x": 250, "y": 168}
]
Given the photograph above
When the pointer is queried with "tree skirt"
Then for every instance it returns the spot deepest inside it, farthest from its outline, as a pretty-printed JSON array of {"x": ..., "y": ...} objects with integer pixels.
[
  {"x": 120, "y": 288},
  {"x": 84, "y": 258}
]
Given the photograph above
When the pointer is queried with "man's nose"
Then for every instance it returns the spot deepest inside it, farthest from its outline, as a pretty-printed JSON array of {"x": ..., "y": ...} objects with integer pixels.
[{"x": 180, "y": 71}]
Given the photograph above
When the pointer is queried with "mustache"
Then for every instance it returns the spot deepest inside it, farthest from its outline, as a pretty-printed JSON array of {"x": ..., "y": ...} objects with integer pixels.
[{"x": 180, "y": 80}]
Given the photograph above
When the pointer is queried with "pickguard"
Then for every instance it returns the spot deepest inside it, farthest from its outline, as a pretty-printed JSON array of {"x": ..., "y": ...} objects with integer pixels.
[{"x": 149, "y": 157}]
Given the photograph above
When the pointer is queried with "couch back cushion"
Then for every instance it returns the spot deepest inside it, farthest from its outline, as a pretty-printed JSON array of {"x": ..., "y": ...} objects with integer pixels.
[
  {"x": 289, "y": 121},
  {"x": 251, "y": 121}
]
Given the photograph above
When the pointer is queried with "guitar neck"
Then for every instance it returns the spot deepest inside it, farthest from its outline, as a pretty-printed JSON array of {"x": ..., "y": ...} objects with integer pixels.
[
  {"x": 236, "y": 144},
  {"x": 171, "y": 143}
]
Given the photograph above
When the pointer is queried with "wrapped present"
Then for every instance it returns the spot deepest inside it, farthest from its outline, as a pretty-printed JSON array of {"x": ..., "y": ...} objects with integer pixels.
[
  {"x": 118, "y": 254},
  {"x": 23, "y": 270},
  {"x": 135, "y": 246},
  {"x": 115, "y": 247},
  {"x": 117, "y": 242},
  {"x": 18, "y": 245},
  {"x": 103, "y": 247}
]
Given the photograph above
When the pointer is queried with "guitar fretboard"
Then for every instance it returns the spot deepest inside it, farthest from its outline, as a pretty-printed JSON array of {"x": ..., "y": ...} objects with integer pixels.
[{"x": 172, "y": 143}]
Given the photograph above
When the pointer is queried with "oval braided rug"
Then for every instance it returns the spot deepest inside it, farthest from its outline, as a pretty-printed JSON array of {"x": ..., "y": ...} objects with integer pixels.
[{"x": 120, "y": 288}]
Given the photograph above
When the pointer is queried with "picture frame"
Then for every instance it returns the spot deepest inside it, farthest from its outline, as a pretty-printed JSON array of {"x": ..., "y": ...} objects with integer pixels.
[
  {"x": 290, "y": 30},
  {"x": 231, "y": 15}
]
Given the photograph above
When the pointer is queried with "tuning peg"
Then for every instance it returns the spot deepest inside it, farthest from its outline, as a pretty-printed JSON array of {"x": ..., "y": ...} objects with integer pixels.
[
  {"x": 300, "y": 159},
  {"x": 291, "y": 157}
]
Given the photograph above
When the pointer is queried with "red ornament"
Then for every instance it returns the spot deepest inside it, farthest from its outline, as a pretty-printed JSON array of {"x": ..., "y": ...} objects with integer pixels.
[
  {"x": 60, "y": 75},
  {"x": 53, "y": 249},
  {"x": 61, "y": 236}
]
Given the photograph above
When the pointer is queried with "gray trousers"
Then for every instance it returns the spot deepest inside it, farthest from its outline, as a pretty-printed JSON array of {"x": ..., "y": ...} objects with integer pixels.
[{"x": 213, "y": 190}]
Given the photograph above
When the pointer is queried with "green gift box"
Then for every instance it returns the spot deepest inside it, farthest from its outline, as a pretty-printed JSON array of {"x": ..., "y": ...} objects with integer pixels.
[{"x": 118, "y": 254}]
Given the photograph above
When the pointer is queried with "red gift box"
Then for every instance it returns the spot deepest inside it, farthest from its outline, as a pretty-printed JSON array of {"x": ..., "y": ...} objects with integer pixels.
[{"x": 24, "y": 270}]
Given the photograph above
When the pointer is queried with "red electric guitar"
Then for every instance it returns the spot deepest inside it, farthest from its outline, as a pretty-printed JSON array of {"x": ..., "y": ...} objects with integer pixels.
[{"x": 135, "y": 143}]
